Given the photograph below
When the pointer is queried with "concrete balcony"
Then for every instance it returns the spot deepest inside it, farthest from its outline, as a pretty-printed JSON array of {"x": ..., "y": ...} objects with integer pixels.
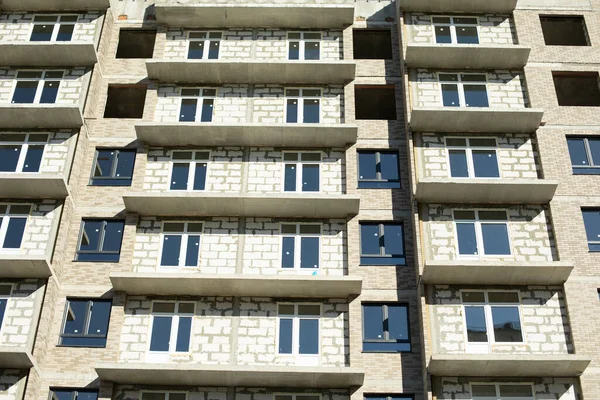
[
  {"x": 461, "y": 56},
  {"x": 253, "y": 71},
  {"x": 510, "y": 365},
  {"x": 456, "y": 6},
  {"x": 247, "y": 134},
  {"x": 47, "y": 54},
  {"x": 15, "y": 358},
  {"x": 475, "y": 119},
  {"x": 494, "y": 272},
  {"x": 481, "y": 190},
  {"x": 282, "y": 205},
  {"x": 332, "y": 14},
  {"x": 197, "y": 284},
  {"x": 33, "y": 186},
  {"x": 40, "y": 116},
  {"x": 231, "y": 375},
  {"x": 53, "y": 5},
  {"x": 24, "y": 266}
]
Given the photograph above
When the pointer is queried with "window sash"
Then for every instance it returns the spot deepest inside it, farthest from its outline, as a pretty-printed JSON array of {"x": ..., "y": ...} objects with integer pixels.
[
  {"x": 298, "y": 115},
  {"x": 202, "y": 104},
  {"x": 378, "y": 168},
  {"x": 85, "y": 333},
  {"x": 300, "y": 172},
  {"x": 297, "y": 247},
  {"x": 24, "y": 146},
  {"x": 41, "y": 83},
  {"x": 208, "y": 45},
  {"x": 193, "y": 170},
  {"x": 383, "y": 258},
  {"x": 115, "y": 159},
  {"x": 479, "y": 236},
  {"x": 186, "y": 239},
  {"x": 55, "y": 25},
  {"x": 302, "y": 42},
  {"x": 488, "y": 307},
  {"x": 72, "y": 394},
  {"x": 296, "y": 319},
  {"x": 101, "y": 239},
  {"x": 452, "y": 26},
  {"x": 498, "y": 395},
  {"x": 468, "y": 149},
  {"x": 176, "y": 318},
  {"x": 460, "y": 84},
  {"x": 592, "y": 166},
  {"x": 5, "y": 222}
]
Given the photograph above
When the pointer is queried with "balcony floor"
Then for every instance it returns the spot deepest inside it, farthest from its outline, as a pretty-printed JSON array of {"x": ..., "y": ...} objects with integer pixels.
[
  {"x": 47, "y": 54},
  {"x": 15, "y": 358},
  {"x": 40, "y": 116},
  {"x": 460, "y": 56},
  {"x": 33, "y": 186},
  {"x": 24, "y": 266},
  {"x": 455, "y": 6}
]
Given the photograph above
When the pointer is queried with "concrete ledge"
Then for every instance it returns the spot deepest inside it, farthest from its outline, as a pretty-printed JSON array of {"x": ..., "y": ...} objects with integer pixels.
[
  {"x": 283, "y": 205},
  {"x": 490, "y": 272},
  {"x": 15, "y": 357},
  {"x": 196, "y": 14},
  {"x": 197, "y": 284},
  {"x": 471, "y": 6},
  {"x": 475, "y": 119},
  {"x": 513, "y": 365},
  {"x": 53, "y": 5},
  {"x": 498, "y": 191},
  {"x": 24, "y": 266},
  {"x": 32, "y": 186},
  {"x": 459, "y": 56},
  {"x": 46, "y": 54},
  {"x": 40, "y": 116},
  {"x": 250, "y": 134}
]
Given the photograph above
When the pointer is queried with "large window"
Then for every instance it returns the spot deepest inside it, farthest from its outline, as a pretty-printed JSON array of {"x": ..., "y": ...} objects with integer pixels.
[
  {"x": 204, "y": 45},
  {"x": 197, "y": 104},
  {"x": 461, "y": 30},
  {"x": 73, "y": 394},
  {"x": 86, "y": 323},
  {"x": 22, "y": 152},
  {"x": 303, "y": 105},
  {"x": 53, "y": 28},
  {"x": 501, "y": 391},
  {"x": 171, "y": 328},
  {"x": 382, "y": 243},
  {"x": 482, "y": 233},
  {"x": 113, "y": 167},
  {"x": 300, "y": 246},
  {"x": 100, "y": 240},
  {"x": 163, "y": 395},
  {"x": 472, "y": 157},
  {"x": 304, "y": 45},
  {"x": 301, "y": 172},
  {"x": 464, "y": 90},
  {"x": 385, "y": 327},
  {"x": 565, "y": 30},
  {"x": 37, "y": 87},
  {"x": 180, "y": 244},
  {"x": 188, "y": 170},
  {"x": 13, "y": 218},
  {"x": 585, "y": 155},
  {"x": 591, "y": 220},
  {"x": 378, "y": 169},
  {"x": 299, "y": 331}
]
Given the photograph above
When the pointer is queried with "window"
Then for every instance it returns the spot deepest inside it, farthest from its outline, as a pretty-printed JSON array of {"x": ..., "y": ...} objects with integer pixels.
[
  {"x": 585, "y": 155},
  {"x": 188, "y": 170},
  {"x": 375, "y": 102},
  {"x": 300, "y": 246},
  {"x": 591, "y": 221},
  {"x": 164, "y": 396},
  {"x": 455, "y": 30},
  {"x": 171, "y": 328},
  {"x": 385, "y": 327},
  {"x": 300, "y": 396},
  {"x": 382, "y": 243},
  {"x": 100, "y": 240},
  {"x": 39, "y": 87},
  {"x": 204, "y": 45},
  {"x": 378, "y": 170},
  {"x": 491, "y": 317},
  {"x": 125, "y": 101},
  {"x": 113, "y": 167},
  {"x": 86, "y": 323},
  {"x": 303, "y": 105},
  {"x": 301, "y": 172},
  {"x": 22, "y": 152},
  {"x": 372, "y": 44},
  {"x": 482, "y": 233},
  {"x": 472, "y": 157},
  {"x": 135, "y": 43},
  {"x": 13, "y": 218},
  {"x": 5, "y": 292},
  {"x": 464, "y": 90},
  {"x": 564, "y": 30},
  {"x": 53, "y": 28},
  {"x": 497, "y": 391},
  {"x": 299, "y": 330},
  {"x": 304, "y": 45},
  {"x": 578, "y": 89},
  {"x": 191, "y": 99},
  {"x": 180, "y": 244},
  {"x": 388, "y": 397},
  {"x": 70, "y": 394}
]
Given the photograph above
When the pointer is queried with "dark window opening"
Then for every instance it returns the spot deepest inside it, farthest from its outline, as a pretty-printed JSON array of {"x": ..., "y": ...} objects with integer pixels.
[
  {"x": 136, "y": 43},
  {"x": 86, "y": 323},
  {"x": 564, "y": 31},
  {"x": 375, "y": 102},
  {"x": 125, "y": 102},
  {"x": 372, "y": 44},
  {"x": 577, "y": 88}
]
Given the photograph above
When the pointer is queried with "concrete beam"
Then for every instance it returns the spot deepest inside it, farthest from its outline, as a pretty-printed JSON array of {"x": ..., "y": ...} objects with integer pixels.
[
  {"x": 475, "y": 119},
  {"x": 24, "y": 266},
  {"x": 247, "y": 134},
  {"x": 461, "y": 56},
  {"x": 283, "y": 205},
  {"x": 40, "y": 116},
  {"x": 513, "y": 365},
  {"x": 470, "y": 6},
  {"x": 242, "y": 71},
  {"x": 33, "y": 186},
  {"x": 493, "y": 272},
  {"x": 480, "y": 190},
  {"x": 46, "y": 54},
  {"x": 195, "y": 284},
  {"x": 53, "y": 5},
  {"x": 15, "y": 358}
]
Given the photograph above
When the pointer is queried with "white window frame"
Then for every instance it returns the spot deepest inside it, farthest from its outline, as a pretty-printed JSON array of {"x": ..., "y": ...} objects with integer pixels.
[
  {"x": 24, "y": 148},
  {"x": 469, "y": 154},
  {"x": 8, "y": 302},
  {"x": 167, "y": 393},
  {"x": 301, "y": 359},
  {"x": 298, "y": 247},
  {"x": 41, "y": 81},
  {"x": 460, "y": 86},
  {"x": 57, "y": 24},
  {"x": 183, "y": 247},
  {"x": 162, "y": 356},
  {"x": 452, "y": 27},
  {"x": 207, "y": 41},
  {"x": 300, "y": 171},
  {"x": 5, "y": 221},
  {"x": 300, "y": 99},
  {"x": 200, "y": 100},
  {"x": 479, "y": 233},
  {"x": 192, "y": 169},
  {"x": 497, "y": 385},
  {"x": 302, "y": 44}
]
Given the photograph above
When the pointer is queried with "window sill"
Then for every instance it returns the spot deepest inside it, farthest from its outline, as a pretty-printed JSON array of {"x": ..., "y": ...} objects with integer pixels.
[
  {"x": 84, "y": 346},
  {"x": 382, "y": 265},
  {"x": 385, "y": 351}
]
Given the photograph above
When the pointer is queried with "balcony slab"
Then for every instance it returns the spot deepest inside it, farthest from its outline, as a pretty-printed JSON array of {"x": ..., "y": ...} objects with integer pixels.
[
  {"x": 15, "y": 358},
  {"x": 46, "y": 54},
  {"x": 248, "y": 134},
  {"x": 460, "y": 56},
  {"x": 40, "y": 116},
  {"x": 33, "y": 186},
  {"x": 24, "y": 266},
  {"x": 491, "y": 272},
  {"x": 452, "y": 6},
  {"x": 475, "y": 119},
  {"x": 53, "y": 5},
  {"x": 282, "y": 205}
]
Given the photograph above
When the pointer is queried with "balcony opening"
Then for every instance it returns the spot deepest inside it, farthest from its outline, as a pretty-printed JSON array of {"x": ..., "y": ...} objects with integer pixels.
[
  {"x": 135, "y": 43},
  {"x": 577, "y": 88},
  {"x": 375, "y": 102},
  {"x": 372, "y": 44},
  {"x": 564, "y": 31},
  {"x": 125, "y": 101}
]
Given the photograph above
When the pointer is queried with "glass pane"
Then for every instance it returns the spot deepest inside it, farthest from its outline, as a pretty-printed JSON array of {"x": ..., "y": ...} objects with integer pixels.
[
  {"x": 495, "y": 239},
  {"x": 161, "y": 333},
  {"x": 125, "y": 164},
  {"x": 450, "y": 95},
  {"x": 62, "y": 395},
  {"x": 316, "y": 157},
  {"x": 398, "y": 322},
  {"x": 289, "y": 183},
  {"x": 458, "y": 164},
  {"x": 309, "y": 252},
  {"x": 99, "y": 318},
  {"x": 476, "y": 327},
  {"x": 485, "y": 164},
  {"x": 173, "y": 227},
  {"x": 309, "y": 309},
  {"x": 41, "y": 33},
  {"x": 215, "y": 35},
  {"x": 311, "y": 50},
  {"x": 186, "y": 308},
  {"x": 507, "y": 324},
  {"x": 309, "y": 336},
  {"x": 197, "y": 35},
  {"x": 188, "y": 110},
  {"x": 287, "y": 252},
  {"x": 484, "y": 391},
  {"x": 448, "y": 77},
  {"x": 285, "y": 336},
  {"x": 310, "y": 178},
  {"x": 49, "y": 92},
  {"x": 442, "y": 34},
  {"x": 166, "y": 307},
  {"x": 87, "y": 395},
  {"x": 367, "y": 165},
  {"x": 372, "y": 321},
  {"x": 9, "y": 157},
  {"x": 54, "y": 74},
  {"x": 591, "y": 220},
  {"x": 104, "y": 163},
  {"x": 179, "y": 176},
  {"x": 369, "y": 239},
  {"x": 294, "y": 51},
  {"x": 171, "y": 250},
  {"x": 292, "y": 92},
  {"x": 290, "y": 156},
  {"x": 25, "y": 92},
  {"x": 90, "y": 237},
  {"x": 311, "y": 111},
  {"x": 467, "y": 242},
  {"x": 113, "y": 236},
  {"x": 285, "y": 309},
  {"x": 75, "y": 318},
  {"x": 209, "y": 92},
  {"x": 196, "y": 50},
  {"x": 440, "y": 20},
  {"x": 482, "y": 142},
  {"x": 503, "y": 297},
  {"x": 292, "y": 111},
  {"x": 473, "y": 77},
  {"x": 476, "y": 96},
  {"x": 14, "y": 233},
  {"x": 65, "y": 33},
  {"x": 388, "y": 165},
  {"x": 200, "y": 176},
  {"x": 456, "y": 142},
  {"x": 310, "y": 229},
  {"x": 33, "y": 159},
  {"x": 213, "y": 50},
  {"x": 184, "y": 334},
  {"x": 153, "y": 396},
  {"x": 207, "y": 110},
  {"x": 192, "y": 251},
  {"x": 285, "y": 228},
  {"x": 473, "y": 297},
  {"x": 519, "y": 391},
  {"x": 594, "y": 145},
  {"x": 393, "y": 239},
  {"x": 490, "y": 215},
  {"x": 466, "y": 35}
]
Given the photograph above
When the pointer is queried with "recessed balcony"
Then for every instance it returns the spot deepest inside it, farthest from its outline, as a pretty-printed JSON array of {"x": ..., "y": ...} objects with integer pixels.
[
  {"x": 475, "y": 119},
  {"x": 461, "y": 56},
  {"x": 247, "y": 134},
  {"x": 456, "y": 6},
  {"x": 47, "y": 54},
  {"x": 33, "y": 186},
  {"x": 40, "y": 116},
  {"x": 282, "y": 205},
  {"x": 15, "y": 358},
  {"x": 478, "y": 191},
  {"x": 53, "y": 5},
  {"x": 495, "y": 272},
  {"x": 253, "y": 71}
]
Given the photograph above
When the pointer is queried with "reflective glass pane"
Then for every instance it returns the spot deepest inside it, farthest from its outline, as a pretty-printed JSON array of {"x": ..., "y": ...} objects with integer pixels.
[
  {"x": 309, "y": 336},
  {"x": 495, "y": 239},
  {"x": 188, "y": 110},
  {"x": 311, "y": 111},
  {"x": 591, "y": 220},
  {"x": 213, "y": 50},
  {"x": 285, "y": 336},
  {"x": 370, "y": 243},
  {"x": 476, "y": 96},
  {"x": 442, "y": 34},
  {"x": 285, "y": 309},
  {"x": 311, "y": 51},
  {"x": 87, "y": 395},
  {"x": 14, "y": 233},
  {"x": 476, "y": 326},
  {"x": 154, "y": 396},
  {"x": 466, "y": 35},
  {"x": 458, "y": 163},
  {"x": 125, "y": 164},
  {"x": 186, "y": 308},
  {"x": 62, "y": 395},
  {"x": 388, "y": 165},
  {"x": 372, "y": 321},
  {"x": 2, "y": 309},
  {"x": 515, "y": 391},
  {"x": 184, "y": 334},
  {"x": 309, "y": 309},
  {"x": 179, "y": 176},
  {"x": 163, "y": 307},
  {"x": 507, "y": 324},
  {"x": 65, "y": 33},
  {"x": 594, "y": 145},
  {"x": 99, "y": 318},
  {"x": 367, "y": 165},
  {"x": 90, "y": 237},
  {"x": 492, "y": 215},
  {"x": 398, "y": 322},
  {"x": 113, "y": 236},
  {"x": 25, "y": 92},
  {"x": 292, "y": 111},
  {"x": 171, "y": 250},
  {"x": 200, "y": 176},
  {"x": 9, "y": 157},
  {"x": 485, "y": 164},
  {"x": 484, "y": 391},
  {"x": 41, "y": 33},
  {"x": 289, "y": 184},
  {"x": 161, "y": 333},
  {"x": 33, "y": 159},
  {"x": 207, "y": 110},
  {"x": 467, "y": 242},
  {"x": 473, "y": 297},
  {"x": 75, "y": 318},
  {"x": 311, "y": 229},
  {"x": 294, "y": 50},
  {"x": 310, "y": 178},
  {"x": 393, "y": 239},
  {"x": 196, "y": 50},
  {"x": 309, "y": 252},
  {"x": 49, "y": 92},
  {"x": 192, "y": 251},
  {"x": 450, "y": 95},
  {"x": 104, "y": 163},
  {"x": 287, "y": 252}
]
